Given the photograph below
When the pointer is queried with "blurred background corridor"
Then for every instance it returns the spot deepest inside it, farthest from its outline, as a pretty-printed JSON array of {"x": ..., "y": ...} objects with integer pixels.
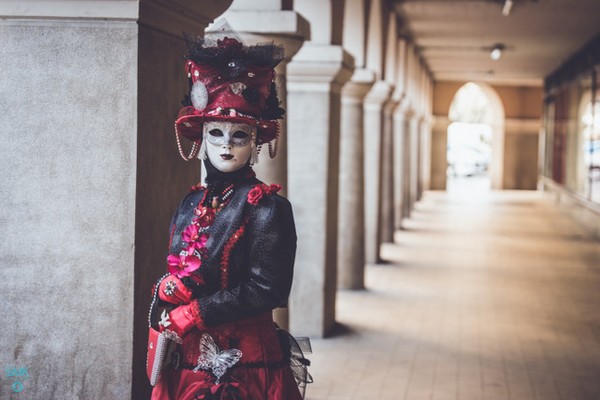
[{"x": 493, "y": 297}]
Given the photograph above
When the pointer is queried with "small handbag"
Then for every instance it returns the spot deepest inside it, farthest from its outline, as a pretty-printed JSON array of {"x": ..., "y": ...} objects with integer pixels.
[{"x": 161, "y": 345}]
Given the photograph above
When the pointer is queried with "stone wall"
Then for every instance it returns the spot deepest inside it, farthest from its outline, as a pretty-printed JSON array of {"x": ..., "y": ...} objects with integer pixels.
[
  {"x": 68, "y": 154},
  {"x": 521, "y": 148}
]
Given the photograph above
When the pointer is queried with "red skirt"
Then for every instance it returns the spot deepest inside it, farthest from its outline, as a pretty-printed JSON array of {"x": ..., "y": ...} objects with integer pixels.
[{"x": 262, "y": 373}]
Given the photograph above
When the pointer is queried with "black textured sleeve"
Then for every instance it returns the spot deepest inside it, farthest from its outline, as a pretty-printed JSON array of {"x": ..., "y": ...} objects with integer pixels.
[{"x": 268, "y": 269}]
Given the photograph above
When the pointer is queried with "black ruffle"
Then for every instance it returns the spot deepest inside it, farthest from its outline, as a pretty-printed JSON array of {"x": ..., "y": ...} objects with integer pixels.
[
  {"x": 217, "y": 181},
  {"x": 232, "y": 54}
]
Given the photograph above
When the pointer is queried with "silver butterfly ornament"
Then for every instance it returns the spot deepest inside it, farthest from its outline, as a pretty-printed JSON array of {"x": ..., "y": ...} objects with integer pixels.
[{"x": 212, "y": 359}]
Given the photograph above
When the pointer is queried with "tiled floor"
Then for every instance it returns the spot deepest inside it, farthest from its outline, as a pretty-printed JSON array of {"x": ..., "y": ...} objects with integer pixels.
[{"x": 496, "y": 297}]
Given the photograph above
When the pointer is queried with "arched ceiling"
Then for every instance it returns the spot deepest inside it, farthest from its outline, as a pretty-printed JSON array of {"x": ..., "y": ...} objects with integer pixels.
[{"x": 455, "y": 37}]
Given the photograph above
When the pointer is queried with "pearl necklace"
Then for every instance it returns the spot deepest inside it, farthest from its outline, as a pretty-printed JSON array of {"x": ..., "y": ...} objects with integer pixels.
[{"x": 219, "y": 202}]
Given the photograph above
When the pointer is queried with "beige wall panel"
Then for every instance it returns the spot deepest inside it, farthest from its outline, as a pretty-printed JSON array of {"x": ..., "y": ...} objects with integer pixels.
[
  {"x": 518, "y": 101},
  {"x": 520, "y": 161},
  {"x": 532, "y": 103},
  {"x": 521, "y": 102},
  {"x": 443, "y": 93}
]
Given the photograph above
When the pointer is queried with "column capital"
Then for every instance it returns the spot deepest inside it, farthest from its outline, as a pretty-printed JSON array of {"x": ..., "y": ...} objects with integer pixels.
[
  {"x": 355, "y": 90},
  {"x": 405, "y": 109},
  {"x": 363, "y": 75},
  {"x": 389, "y": 107},
  {"x": 399, "y": 93},
  {"x": 320, "y": 68},
  {"x": 380, "y": 92}
]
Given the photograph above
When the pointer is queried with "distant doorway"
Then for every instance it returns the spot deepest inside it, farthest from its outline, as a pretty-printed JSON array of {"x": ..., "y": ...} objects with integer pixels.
[
  {"x": 475, "y": 140},
  {"x": 469, "y": 154}
]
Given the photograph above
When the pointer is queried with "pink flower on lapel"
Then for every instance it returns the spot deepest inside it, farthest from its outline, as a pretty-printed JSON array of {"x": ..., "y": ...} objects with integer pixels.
[
  {"x": 200, "y": 243},
  {"x": 183, "y": 264},
  {"x": 191, "y": 234}
]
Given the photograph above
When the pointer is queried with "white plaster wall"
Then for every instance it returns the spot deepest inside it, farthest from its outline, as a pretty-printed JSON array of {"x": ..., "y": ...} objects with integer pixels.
[{"x": 67, "y": 199}]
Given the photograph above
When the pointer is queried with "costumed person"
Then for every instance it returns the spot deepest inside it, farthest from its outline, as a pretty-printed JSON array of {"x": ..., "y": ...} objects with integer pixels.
[{"x": 232, "y": 242}]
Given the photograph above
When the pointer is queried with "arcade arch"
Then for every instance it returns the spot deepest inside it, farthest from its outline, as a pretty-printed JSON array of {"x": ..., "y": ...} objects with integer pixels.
[{"x": 481, "y": 104}]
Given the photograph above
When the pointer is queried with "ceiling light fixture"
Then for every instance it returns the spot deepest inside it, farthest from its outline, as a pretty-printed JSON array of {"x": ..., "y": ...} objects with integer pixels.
[
  {"x": 507, "y": 6},
  {"x": 496, "y": 52}
]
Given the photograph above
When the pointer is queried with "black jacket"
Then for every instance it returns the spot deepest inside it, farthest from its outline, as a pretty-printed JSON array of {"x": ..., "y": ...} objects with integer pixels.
[{"x": 251, "y": 250}]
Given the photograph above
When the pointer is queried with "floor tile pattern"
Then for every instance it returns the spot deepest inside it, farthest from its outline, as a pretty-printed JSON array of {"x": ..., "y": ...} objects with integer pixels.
[{"x": 489, "y": 297}]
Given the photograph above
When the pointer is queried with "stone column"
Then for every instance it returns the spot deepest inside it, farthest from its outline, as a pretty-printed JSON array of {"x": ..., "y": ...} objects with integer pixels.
[
  {"x": 386, "y": 223},
  {"x": 415, "y": 150},
  {"x": 427, "y": 134},
  {"x": 425, "y": 177},
  {"x": 264, "y": 22},
  {"x": 398, "y": 131},
  {"x": 375, "y": 125},
  {"x": 408, "y": 158},
  {"x": 351, "y": 230},
  {"x": 351, "y": 225},
  {"x": 315, "y": 78},
  {"x": 399, "y": 163},
  {"x": 373, "y": 142},
  {"x": 388, "y": 212},
  {"x": 419, "y": 160}
]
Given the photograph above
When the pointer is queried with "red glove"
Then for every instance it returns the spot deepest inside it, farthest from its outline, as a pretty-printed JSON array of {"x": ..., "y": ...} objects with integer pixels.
[
  {"x": 182, "y": 319},
  {"x": 173, "y": 291}
]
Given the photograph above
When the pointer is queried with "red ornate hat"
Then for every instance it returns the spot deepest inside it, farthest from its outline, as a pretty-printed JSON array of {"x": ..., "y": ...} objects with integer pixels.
[{"x": 230, "y": 82}]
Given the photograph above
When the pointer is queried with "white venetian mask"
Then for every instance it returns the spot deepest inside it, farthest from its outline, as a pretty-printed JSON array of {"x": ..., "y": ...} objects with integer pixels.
[{"x": 229, "y": 145}]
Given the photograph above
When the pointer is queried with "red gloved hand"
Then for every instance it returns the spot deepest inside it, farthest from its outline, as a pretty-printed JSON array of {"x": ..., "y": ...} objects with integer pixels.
[
  {"x": 181, "y": 320},
  {"x": 173, "y": 291}
]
